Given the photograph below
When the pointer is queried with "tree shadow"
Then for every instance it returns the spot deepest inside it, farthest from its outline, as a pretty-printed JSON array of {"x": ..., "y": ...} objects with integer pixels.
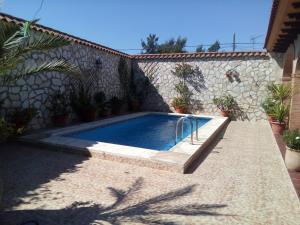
[
  {"x": 155, "y": 210},
  {"x": 197, "y": 80}
]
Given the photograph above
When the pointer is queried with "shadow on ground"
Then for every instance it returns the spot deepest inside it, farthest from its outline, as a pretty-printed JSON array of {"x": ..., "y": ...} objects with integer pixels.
[
  {"x": 22, "y": 174},
  {"x": 150, "y": 211}
]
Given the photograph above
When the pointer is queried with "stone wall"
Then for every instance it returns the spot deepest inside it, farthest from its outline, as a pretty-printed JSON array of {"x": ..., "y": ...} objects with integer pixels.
[
  {"x": 247, "y": 86},
  {"x": 34, "y": 90}
]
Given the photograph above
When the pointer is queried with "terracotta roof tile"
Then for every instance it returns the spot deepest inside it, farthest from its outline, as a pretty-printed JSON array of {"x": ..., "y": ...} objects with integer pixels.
[{"x": 200, "y": 55}]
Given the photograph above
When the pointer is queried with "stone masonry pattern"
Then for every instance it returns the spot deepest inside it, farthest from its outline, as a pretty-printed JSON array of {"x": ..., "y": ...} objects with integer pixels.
[
  {"x": 247, "y": 84},
  {"x": 34, "y": 90}
]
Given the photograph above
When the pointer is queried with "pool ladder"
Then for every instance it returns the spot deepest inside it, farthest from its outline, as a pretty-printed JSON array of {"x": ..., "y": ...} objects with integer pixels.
[{"x": 182, "y": 119}]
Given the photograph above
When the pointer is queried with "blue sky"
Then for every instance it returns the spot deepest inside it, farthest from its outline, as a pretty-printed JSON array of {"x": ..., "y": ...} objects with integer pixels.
[{"x": 121, "y": 24}]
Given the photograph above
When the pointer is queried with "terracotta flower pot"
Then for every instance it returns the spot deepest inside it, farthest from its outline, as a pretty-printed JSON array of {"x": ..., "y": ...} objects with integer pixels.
[
  {"x": 60, "y": 120},
  {"x": 292, "y": 159},
  {"x": 225, "y": 113},
  {"x": 135, "y": 105},
  {"x": 277, "y": 127},
  {"x": 182, "y": 110},
  {"x": 88, "y": 114},
  {"x": 271, "y": 118}
]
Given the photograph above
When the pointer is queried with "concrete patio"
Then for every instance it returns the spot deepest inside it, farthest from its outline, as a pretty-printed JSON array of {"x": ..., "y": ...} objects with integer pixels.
[{"x": 241, "y": 179}]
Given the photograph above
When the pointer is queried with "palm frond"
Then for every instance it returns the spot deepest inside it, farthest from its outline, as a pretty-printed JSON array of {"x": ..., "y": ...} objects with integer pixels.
[
  {"x": 6, "y": 31},
  {"x": 56, "y": 65}
]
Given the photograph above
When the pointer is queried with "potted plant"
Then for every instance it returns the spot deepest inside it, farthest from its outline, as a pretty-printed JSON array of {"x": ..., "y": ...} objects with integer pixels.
[
  {"x": 179, "y": 104},
  {"x": 21, "y": 117},
  {"x": 225, "y": 104},
  {"x": 134, "y": 103},
  {"x": 292, "y": 154},
  {"x": 279, "y": 112},
  {"x": 116, "y": 105},
  {"x": 81, "y": 102},
  {"x": 59, "y": 108},
  {"x": 268, "y": 105},
  {"x": 99, "y": 100},
  {"x": 6, "y": 130}
]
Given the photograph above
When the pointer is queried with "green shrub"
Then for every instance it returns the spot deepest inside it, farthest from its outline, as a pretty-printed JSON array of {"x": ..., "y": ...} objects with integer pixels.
[
  {"x": 292, "y": 139},
  {"x": 280, "y": 92},
  {"x": 225, "y": 103},
  {"x": 268, "y": 105},
  {"x": 6, "y": 130},
  {"x": 179, "y": 102},
  {"x": 59, "y": 104},
  {"x": 279, "y": 112}
]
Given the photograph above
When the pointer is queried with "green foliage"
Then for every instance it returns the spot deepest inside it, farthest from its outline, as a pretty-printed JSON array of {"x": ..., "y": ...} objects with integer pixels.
[
  {"x": 280, "y": 92},
  {"x": 173, "y": 46},
  {"x": 81, "y": 98},
  {"x": 21, "y": 117},
  {"x": 99, "y": 98},
  {"x": 182, "y": 71},
  {"x": 200, "y": 48},
  {"x": 225, "y": 103},
  {"x": 268, "y": 105},
  {"x": 151, "y": 45},
  {"x": 6, "y": 130},
  {"x": 292, "y": 139},
  {"x": 59, "y": 104},
  {"x": 179, "y": 102},
  {"x": 279, "y": 112},
  {"x": 214, "y": 47},
  {"x": 124, "y": 76},
  {"x": 16, "y": 44}
]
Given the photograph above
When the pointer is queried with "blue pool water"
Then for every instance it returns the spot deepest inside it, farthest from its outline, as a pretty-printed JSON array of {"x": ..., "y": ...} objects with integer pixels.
[{"x": 151, "y": 131}]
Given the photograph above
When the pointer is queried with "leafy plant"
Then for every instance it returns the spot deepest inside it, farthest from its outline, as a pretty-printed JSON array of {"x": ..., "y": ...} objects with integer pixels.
[
  {"x": 21, "y": 117},
  {"x": 279, "y": 112},
  {"x": 124, "y": 76},
  {"x": 99, "y": 98},
  {"x": 225, "y": 103},
  {"x": 17, "y": 44},
  {"x": 268, "y": 105},
  {"x": 182, "y": 71},
  {"x": 280, "y": 92},
  {"x": 292, "y": 139},
  {"x": 80, "y": 99},
  {"x": 214, "y": 47},
  {"x": 116, "y": 104},
  {"x": 6, "y": 129},
  {"x": 179, "y": 102},
  {"x": 59, "y": 104}
]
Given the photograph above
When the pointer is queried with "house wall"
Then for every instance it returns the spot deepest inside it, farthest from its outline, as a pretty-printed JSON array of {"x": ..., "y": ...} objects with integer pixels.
[
  {"x": 35, "y": 90},
  {"x": 294, "y": 119},
  {"x": 248, "y": 87}
]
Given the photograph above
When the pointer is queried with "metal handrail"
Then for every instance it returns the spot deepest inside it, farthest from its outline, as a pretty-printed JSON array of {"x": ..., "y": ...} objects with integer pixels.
[{"x": 177, "y": 124}]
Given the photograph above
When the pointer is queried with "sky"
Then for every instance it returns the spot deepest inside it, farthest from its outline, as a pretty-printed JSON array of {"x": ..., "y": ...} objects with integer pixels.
[{"x": 121, "y": 24}]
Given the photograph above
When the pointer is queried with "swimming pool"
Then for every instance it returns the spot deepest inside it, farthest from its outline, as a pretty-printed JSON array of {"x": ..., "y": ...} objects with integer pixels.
[
  {"x": 152, "y": 131},
  {"x": 146, "y": 139}
]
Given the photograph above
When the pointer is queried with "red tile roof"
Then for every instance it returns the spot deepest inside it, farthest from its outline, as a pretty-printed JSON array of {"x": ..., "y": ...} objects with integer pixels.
[
  {"x": 44, "y": 29},
  {"x": 201, "y": 55}
]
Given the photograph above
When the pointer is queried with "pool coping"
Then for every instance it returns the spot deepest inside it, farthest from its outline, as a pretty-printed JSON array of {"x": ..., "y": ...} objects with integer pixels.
[{"x": 177, "y": 159}]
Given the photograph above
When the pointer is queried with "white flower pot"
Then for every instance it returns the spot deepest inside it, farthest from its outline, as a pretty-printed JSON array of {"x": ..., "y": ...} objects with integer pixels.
[{"x": 292, "y": 159}]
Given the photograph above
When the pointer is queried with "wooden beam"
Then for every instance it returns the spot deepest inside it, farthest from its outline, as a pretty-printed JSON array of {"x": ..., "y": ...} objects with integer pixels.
[
  {"x": 295, "y": 24},
  {"x": 291, "y": 30},
  {"x": 294, "y": 16},
  {"x": 287, "y": 35},
  {"x": 296, "y": 5}
]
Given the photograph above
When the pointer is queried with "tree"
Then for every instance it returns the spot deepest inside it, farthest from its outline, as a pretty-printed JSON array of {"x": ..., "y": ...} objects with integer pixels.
[
  {"x": 200, "y": 49},
  {"x": 173, "y": 46},
  {"x": 151, "y": 46},
  {"x": 17, "y": 44},
  {"x": 214, "y": 47}
]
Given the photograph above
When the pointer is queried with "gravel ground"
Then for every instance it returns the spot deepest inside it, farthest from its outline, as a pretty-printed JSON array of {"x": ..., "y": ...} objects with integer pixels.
[{"x": 240, "y": 179}]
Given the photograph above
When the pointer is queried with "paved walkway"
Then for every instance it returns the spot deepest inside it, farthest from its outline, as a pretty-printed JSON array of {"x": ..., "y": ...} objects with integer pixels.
[{"x": 241, "y": 181}]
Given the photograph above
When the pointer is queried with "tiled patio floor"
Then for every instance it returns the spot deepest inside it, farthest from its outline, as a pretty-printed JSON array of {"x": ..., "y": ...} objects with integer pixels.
[{"x": 241, "y": 181}]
